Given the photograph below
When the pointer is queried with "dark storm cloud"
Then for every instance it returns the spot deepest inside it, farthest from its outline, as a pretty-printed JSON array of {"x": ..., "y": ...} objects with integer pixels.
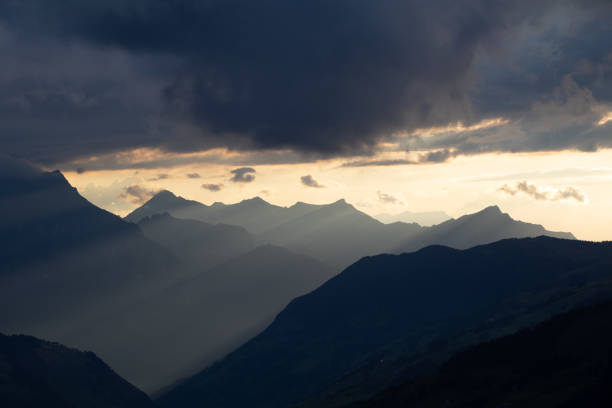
[
  {"x": 309, "y": 181},
  {"x": 243, "y": 175},
  {"x": 318, "y": 77},
  {"x": 212, "y": 187}
]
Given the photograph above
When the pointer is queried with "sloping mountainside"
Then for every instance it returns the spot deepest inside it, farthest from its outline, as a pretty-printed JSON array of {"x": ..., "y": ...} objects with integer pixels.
[
  {"x": 389, "y": 305},
  {"x": 68, "y": 256},
  {"x": 188, "y": 326},
  {"x": 483, "y": 227},
  {"x": 202, "y": 244},
  {"x": 425, "y": 219},
  {"x": 563, "y": 362},
  {"x": 36, "y": 373}
]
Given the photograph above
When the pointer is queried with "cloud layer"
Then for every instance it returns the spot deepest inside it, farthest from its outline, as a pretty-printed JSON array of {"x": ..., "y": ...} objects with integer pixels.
[{"x": 187, "y": 76}]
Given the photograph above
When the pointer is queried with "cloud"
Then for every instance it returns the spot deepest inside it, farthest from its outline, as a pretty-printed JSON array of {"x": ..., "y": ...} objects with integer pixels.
[
  {"x": 137, "y": 194},
  {"x": 544, "y": 193},
  {"x": 171, "y": 75},
  {"x": 388, "y": 199},
  {"x": 434, "y": 156},
  {"x": 212, "y": 187},
  {"x": 308, "y": 181},
  {"x": 243, "y": 175},
  {"x": 162, "y": 176},
  {"x": 193, "y": 175}
]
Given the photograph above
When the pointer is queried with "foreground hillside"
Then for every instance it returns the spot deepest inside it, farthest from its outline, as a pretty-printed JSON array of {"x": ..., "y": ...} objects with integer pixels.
[
  {"x": 392, "y": 305},
  {"x": 563, "y": 362},
  {"x": 36, "y": 373}
]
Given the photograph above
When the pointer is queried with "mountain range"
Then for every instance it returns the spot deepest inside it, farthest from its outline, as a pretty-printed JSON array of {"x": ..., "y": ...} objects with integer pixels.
[
  {"x": 409, "y": 306},
  {"x": 338, "y": 233}
]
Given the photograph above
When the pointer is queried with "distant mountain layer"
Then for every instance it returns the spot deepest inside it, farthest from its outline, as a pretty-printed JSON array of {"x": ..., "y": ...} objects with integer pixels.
[
  {"x": 483, "y": 227},
  {"x": 564, "y": 362},
  {"x": 338, "y": 233},
  {"x": 391, "y": 305},
  {"x": 424, "y": 219},
  {"x": 36, "y": 373}
]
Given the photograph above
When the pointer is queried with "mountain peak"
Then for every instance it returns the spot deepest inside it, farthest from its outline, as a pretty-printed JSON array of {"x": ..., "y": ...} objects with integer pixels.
[
  {"x": 340, "y": 203},
  {"x": 255, "y": 200},
  {"x": 164, "y": 194}
]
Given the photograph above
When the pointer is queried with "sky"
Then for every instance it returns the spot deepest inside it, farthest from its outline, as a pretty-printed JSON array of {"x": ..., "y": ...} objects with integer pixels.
[{"x": 392, "y": 105}]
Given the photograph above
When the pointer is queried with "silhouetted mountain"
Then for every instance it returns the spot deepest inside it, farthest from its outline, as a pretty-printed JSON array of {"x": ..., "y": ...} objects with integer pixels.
[
  {"x": 202, "y": 244},
  {"x": 391, "y": 305},
  {"x": 67, "y": 255},
  {"x": 36, "y": 373},
  {"x": 188, "y": 326},
  {"x": 425, "y": 219},
  {"x": 563, "y": 362},
  {"x": 483, "y": 227},
  {"x": 167, "y": 202}
]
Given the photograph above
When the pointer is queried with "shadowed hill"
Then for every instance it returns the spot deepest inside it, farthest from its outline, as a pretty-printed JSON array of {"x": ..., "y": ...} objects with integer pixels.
[
  {"x": 483, "y": 227},
  {"x": 563, "y": 362},
  {"x": 36, "y": 373},
  {"x": 392, "y": 304}
]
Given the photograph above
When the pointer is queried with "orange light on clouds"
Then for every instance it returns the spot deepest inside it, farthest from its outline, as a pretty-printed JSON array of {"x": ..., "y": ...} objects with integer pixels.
[
  {"x": 605, "y": 119},
  {"x": 459, "y": 127}
]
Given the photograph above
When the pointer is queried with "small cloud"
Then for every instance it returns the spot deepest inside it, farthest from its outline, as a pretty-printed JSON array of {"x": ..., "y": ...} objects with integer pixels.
[
  {"x": 162, "y": 176},
  {"x": 544, "y": 193},
  {"x": 436, "y": 156},
  {"x": 388, "y": 199},
  {"x": 137, "y": 194},
  {"x": 308, "y": 181},
  {"x": 212, "y": 187},
  {"x": 243, "y": 175},
  {"x": 265, "y": 192},
  {"x": 193, "y": 175},
  {"x": 80, "y": 170}
]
